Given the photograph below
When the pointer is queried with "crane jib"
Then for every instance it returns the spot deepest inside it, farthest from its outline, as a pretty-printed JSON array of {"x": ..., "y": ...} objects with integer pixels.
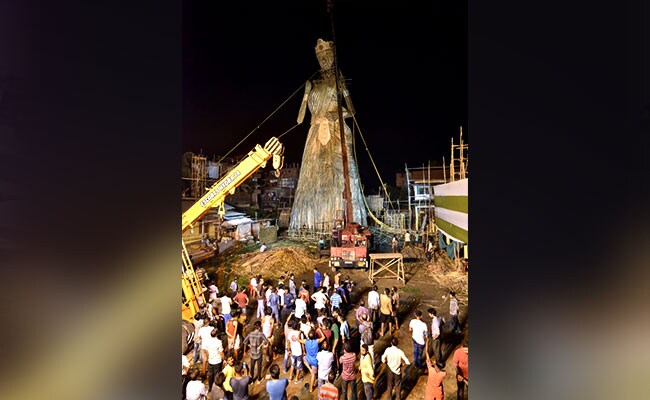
[{"x": 222, "y": 185}]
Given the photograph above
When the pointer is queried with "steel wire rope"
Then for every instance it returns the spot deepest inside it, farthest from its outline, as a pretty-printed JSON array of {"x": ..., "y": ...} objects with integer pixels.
[
  {"x": 265, "y": 119},
  {"x": 388, "y": 228},
  {"x": 383, "y": 185}
]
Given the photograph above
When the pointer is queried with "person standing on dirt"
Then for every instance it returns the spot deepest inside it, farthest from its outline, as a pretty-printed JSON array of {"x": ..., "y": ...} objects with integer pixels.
[
  {"x": 311, "y": 356},
  {"x": 320, "y": 299},
  {"x": 407, "y": 239},
  {"x": 212, "y": 355},
  {"x": 335, "y": 299},
  {"x": 361, "y": 311},
  {"x": 301, "y": 307},
  {"x": 234, "y": 340},
  {"x": 288, "y": 307},
  {"x": 366, "y": 365},
  {"x": 435, "y": 333},
  {"x": 385, "y": 312},
  {"x": 418, "y": 330},
  {"x": 242, "y": 300},
  {"x": 337, "y": 278},
  {"x": 429, "y": 252},
  {"x": 240, "y": 382},
  {"x": 234, "y": 286},
  {"x": 367, "y": 335},
  {"x": 394, "y": 358},
  {"x": 344, "y": 327},
  {"x": 453, "y": 312},
  {"x": 318, "y": 279},
  {"x": 252, "y": 285},
  {"x": 373, "y": 304},
  {"x": 437, "y": 374},
  {"x": 226, "y": 302},
  {"x": 396, "y": 302},
  {"x": 255, "y": 341},
  {"x": 292, "y": 286},
  {"x": 341, "y": 291},
  {"x": 349, "y": 373},
  {"x": 328, "y": 391},
  {"x": 267, "y": 323},
  {"x": 195, "y": 389},
  {"x": 461, "y": 358},
  {"x": 259, "y": 295},
  {"x": 274, "y": 303},
  {"x": 394, "y": 245},
  {"x": 326, "y": 281},
  {"x": 296, "y": 351},
  {"x": 325, "y": 360}
]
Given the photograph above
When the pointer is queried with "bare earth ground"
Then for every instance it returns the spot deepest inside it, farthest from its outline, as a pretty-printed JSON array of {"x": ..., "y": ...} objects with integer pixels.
[{"x": 425, "y": 287}]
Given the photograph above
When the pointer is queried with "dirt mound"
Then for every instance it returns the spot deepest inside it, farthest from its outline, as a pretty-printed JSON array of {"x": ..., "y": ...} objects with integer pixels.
[
  {"x": 445, "y": 272},
  {"x": 275, "y": 262}
]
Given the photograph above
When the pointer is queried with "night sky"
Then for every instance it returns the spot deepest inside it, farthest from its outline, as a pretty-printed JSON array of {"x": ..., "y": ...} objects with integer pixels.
[{"x": 405, "y": 63}]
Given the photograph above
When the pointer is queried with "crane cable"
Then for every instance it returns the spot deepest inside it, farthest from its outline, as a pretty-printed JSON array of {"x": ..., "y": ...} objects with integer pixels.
[
  {"x": 265, "y": 119},
  {"x": 383, "y": 185},
  {"x": 388, "y": 228}
]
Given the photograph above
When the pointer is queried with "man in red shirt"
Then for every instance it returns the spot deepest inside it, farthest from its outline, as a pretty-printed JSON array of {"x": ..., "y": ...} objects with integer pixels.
[
  {"x": 242, "y": 299},
  {"x": 328, "y": 391},
  {"x": 437, "y": 374},
  {"x": 462, "y": 373}
]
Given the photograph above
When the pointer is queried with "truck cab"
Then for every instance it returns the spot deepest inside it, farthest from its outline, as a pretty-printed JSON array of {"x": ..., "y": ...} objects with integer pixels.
[{"x": 349, "y": 246}]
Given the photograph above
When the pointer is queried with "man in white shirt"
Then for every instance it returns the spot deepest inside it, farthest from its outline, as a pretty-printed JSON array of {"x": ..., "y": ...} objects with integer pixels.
[
  {"x": 435, "y": 332},
  {"x": 453, "y": 312},
  {"x": 281, "y": 292},
  {"x": 196, "y": 389},
  {"x": 301, "y": 307},
  {"x": 418, "y": 330},
  {"x": 226, "y": 302},
  {"x": 320, "y": 299},
  {"x": 373, "y": 304},
  {"x": 393, "y": 357},
  {"x": 212, "y": 355},
  {"x": 325, "y": 360},
  {"x": 296, "y": 351},
  {"x": 198, "y": 324}
]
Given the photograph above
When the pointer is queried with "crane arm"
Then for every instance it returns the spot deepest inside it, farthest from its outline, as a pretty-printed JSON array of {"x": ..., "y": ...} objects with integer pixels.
[{"x": 216, "y": 195}]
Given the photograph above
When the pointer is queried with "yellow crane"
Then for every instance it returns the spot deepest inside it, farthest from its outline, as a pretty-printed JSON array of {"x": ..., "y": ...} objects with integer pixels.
[{"x": 214, "y": 198}]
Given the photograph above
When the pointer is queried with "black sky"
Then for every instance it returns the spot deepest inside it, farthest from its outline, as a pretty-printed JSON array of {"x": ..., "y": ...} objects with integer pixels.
[{"x": 406, "y": 64}]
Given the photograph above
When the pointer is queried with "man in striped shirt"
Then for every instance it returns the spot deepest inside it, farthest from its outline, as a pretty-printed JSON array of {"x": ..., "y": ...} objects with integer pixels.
[
  {"x": 328, "y": 391},
  {"x": 335, "y": 299}
]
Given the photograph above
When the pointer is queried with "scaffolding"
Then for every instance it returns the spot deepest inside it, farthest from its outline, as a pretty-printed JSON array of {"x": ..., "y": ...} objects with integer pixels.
[
  {"x": 199, "y": 176},
  {"x": 458, "y": 163}
]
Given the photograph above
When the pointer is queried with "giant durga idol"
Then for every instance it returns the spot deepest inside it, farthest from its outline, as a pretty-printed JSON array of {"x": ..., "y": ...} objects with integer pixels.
[{"x": 319, "y": 193}]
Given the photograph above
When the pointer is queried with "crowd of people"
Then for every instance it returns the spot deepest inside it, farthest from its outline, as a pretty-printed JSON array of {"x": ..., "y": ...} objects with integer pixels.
[{"x": 274, "y": 334}]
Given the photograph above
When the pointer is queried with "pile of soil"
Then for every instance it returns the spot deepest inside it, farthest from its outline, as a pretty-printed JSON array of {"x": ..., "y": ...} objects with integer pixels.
[
  {"x": 274, "y": 263},
  {"x": 445, "y": 272}
]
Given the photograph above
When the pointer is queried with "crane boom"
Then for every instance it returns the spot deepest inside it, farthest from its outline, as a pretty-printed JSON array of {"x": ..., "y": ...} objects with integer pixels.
[
  {"x": 256, "y": 159},
  {"x": 216, "y": 195}
]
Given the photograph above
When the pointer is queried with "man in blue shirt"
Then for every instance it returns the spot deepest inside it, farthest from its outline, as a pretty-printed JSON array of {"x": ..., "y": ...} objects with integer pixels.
[
  {"x": 318, "y": 279},
  {"x": 274, "y": 301},
  {"x": 289, "y": 305}
]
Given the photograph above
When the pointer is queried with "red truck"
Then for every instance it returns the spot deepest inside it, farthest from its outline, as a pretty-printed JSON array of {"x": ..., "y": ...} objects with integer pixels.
[{"x": 349, "y": 246}]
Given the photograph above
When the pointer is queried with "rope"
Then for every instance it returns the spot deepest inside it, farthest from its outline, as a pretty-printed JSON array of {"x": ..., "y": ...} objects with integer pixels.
[
  {"x": 383, "y": 185},
  {"x": 288, "y": 130},
  {"x": 388, "y": 228},
  {"x": 265, "y": 119}
]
